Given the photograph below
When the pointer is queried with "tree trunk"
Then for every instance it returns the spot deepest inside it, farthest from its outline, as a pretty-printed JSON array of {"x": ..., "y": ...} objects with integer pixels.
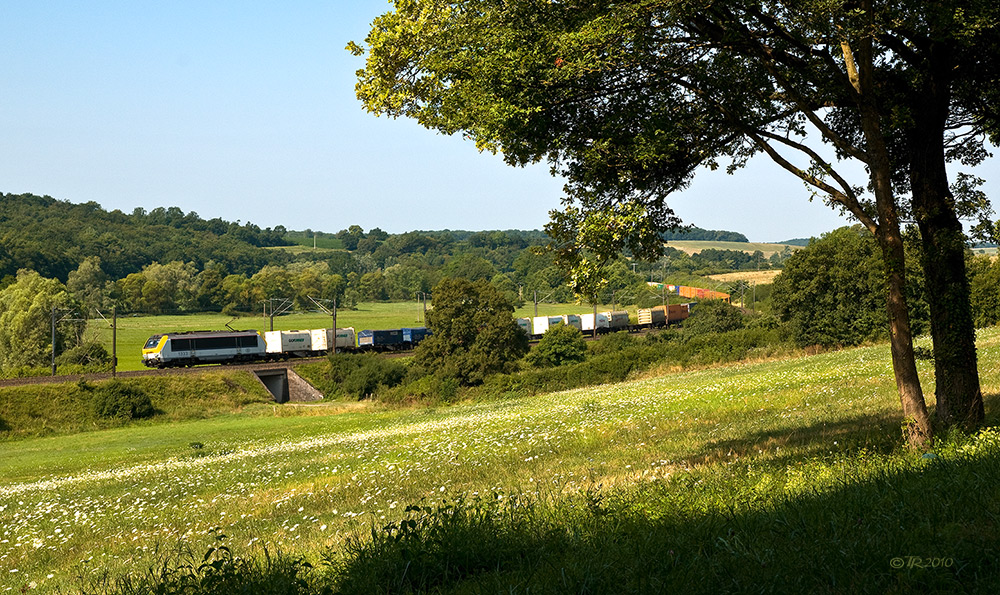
[
  {"x": 916, "y": 421},
  {"x": 958, "y": 393}
]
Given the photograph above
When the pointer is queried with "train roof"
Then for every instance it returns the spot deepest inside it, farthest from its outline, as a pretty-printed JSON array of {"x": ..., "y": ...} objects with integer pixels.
[{"x": 201, "y": 334}]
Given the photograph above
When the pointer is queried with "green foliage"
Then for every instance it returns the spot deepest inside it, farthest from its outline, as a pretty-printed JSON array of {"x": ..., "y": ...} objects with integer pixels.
[
  {"x": 360, "y": 376},
  {"x": 118, "y": 399},
  {"x": 475, "y": 334},
  {"x": 439, "y": 545},
  {"x": 616, "y": 357},
  {"x": 49, "y": 236},
  {"x": 833, "y": 291},
  {"x": 217, "y": 572},
  {"x": 561, "y": 344},
  {"x": 984, "y": 278},
  {"x": 613, "y": 342},
  {"x": 701, "y": 531},
  {"x": 68, "y": 408},
  {"x": 714, "y": 316},
  {"x": 26, "y": 309},
  {"x": 90, "y": 355}
]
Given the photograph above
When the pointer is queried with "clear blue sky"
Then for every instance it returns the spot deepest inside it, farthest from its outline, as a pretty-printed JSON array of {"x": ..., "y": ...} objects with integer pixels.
[{"x": 246, "y": 111}]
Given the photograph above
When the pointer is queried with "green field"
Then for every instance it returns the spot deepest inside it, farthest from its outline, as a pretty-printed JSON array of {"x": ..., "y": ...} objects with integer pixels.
[
  {"x": 781, "y": 475},
  {"x": 133, "y": 331}
]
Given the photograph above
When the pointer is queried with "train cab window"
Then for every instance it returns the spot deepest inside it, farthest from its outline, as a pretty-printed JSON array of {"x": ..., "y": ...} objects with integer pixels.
[
  {"x": 153, "y": 341},
  {"x": 249, "y": 341}
]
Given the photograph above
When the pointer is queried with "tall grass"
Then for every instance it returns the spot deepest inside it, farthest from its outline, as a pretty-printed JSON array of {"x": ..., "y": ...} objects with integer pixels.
[{"x": 783, "y": 476}]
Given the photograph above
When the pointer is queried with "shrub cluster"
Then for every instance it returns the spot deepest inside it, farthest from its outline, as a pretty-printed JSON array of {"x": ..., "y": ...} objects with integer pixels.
[
  {"x": 562, "y": 344},
  {"x": 121, "y": 400},
  {"x": 361, "y": 376}
]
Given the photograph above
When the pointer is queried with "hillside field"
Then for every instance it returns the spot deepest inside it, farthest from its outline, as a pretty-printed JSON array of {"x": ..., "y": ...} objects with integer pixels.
[
  {"x": 755, "y": 277},
  {"x": 785, "y": 475},
  {"x": 693, "y": 246}
]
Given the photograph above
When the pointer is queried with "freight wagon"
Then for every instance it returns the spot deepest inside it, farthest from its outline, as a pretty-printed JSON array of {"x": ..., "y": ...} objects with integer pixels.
[
  {"x": 604, "y": 322},
  {"x": 413, "y": 336},
  {"x": 321, "y": 339},
  {"x": 380, "y": 340}
]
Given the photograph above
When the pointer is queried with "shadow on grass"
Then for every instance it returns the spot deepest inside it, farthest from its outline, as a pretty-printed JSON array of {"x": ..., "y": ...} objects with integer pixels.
[
  {"x": 877, "y": 433},
  {"x": 931, "y": 526}
]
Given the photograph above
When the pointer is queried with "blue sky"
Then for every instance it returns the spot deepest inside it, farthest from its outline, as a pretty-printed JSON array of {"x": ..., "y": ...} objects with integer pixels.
[{"x": 246, "y": 111}]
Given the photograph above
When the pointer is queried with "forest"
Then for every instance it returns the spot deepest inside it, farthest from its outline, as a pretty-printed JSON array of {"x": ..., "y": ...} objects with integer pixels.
[{"x": 165, "y": 261}]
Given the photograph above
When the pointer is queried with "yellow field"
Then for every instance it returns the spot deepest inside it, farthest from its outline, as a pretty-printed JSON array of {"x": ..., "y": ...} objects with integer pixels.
[
  {"x": 758, "y": 277},
  {"x": 692, "y": 246}
]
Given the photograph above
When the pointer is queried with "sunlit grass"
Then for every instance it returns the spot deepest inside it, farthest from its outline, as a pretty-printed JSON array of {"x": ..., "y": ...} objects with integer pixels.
[{"x": 113, "y": 499}]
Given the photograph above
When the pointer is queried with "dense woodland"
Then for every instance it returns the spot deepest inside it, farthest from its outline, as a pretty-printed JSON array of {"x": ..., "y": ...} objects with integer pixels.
[{"x": 167, "y": 261}]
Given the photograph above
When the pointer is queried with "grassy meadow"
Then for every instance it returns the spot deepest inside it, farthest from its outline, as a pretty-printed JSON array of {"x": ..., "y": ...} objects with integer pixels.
[{"x": 780, "y": 476}]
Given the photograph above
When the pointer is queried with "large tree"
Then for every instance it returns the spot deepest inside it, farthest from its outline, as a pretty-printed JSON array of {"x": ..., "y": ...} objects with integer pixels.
[
  {"x": 628, "y": 100},
  {"x": 474, "y": 333},
  {"x": 27, "y": 308}
]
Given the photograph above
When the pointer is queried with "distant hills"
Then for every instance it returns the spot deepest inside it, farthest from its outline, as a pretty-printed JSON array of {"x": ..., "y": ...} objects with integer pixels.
[
  {"x": 797, "y": 242},
  {"x": 706, "y": 235},
  {"x": 53, "y": 237}
]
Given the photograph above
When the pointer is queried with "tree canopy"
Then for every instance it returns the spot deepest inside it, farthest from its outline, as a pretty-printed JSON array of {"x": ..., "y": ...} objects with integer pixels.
[
  {"x": 629, "y": 100},
  {"x": 474, "y": 332},
  {"x": 26, "y": 310}
]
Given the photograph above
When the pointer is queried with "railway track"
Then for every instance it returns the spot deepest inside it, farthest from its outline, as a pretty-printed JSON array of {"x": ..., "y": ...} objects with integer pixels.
[{"x": 58, "y": 379}]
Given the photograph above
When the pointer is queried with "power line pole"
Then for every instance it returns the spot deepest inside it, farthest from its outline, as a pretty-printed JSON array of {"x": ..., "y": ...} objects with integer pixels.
[
  {"x": 114, "y": 341},
  {"x": 53, "y": 340}
]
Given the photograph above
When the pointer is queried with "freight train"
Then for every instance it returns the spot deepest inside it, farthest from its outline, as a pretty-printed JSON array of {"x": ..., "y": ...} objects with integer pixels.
[
  {"x": 231, "y": 347},
  {"x": 608, "y": 322}
]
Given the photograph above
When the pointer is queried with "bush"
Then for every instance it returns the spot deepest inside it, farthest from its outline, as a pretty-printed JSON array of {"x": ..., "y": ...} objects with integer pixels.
[
  {"x": 562, "y": 344},
  {"x": 91, "y": 355},
  {"x": 474, "y": 333},
  {"x": 121, "y": 400},
  {"x": 713, "y": 316},
  {"x": 613, "y": 342},
  {"x": 361, "y": 376}
]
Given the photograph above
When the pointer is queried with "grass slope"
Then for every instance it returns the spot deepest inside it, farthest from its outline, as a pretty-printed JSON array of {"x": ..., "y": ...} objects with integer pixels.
[{"x": 781, "y": 475}]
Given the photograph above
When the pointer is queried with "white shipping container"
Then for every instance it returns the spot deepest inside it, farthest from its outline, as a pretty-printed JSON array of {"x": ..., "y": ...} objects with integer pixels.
[
  {"x": 345, "y": 338},
  {"x": 525, "y": 324},
  {"x": 541, "y": 324},
  {"x": 321, "y": 339},
  {"x": 587, "y": 321},
  {"x": 288, "y": 341},
  {"x": 572, "y": 320}
]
